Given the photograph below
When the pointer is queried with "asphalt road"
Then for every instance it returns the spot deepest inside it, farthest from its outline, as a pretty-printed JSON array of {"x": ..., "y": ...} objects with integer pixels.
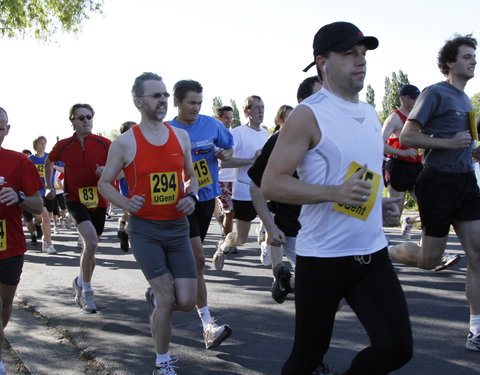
[{"x": 52, "y": 336}]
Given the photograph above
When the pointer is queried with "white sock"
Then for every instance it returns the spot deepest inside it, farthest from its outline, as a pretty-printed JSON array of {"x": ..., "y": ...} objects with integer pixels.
[
  {"x": 162, "y": 358},
  {"x": 205, "y": 316},
  {"x": 87, "y": 286},
  {"x": 475, "y": 324}
]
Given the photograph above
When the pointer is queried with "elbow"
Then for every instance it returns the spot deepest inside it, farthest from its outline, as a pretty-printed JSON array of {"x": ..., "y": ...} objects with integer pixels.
[{"x": 405, "y": 140}]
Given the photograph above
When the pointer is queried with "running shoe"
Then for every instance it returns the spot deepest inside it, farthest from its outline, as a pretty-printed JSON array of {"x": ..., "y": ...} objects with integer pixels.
[
  {"x": 51, "y": 250},
  {"x": 38, "y": 229},
  {"x": 123, "y": 236},
  {"x": 448, "y": 260},
  {"x": 87, "y": 303},
  {"x": 281, "y": 284},
  {"x": 473, "y": 342},
  {"x": 260, "y": 230},
  {"x": 78, "y": 291},
  {"x": 406, "y": 228},
  {"x": 214, "y": 334},
  {"x": 56, "y": 230},
  {"x": 166, "y": 368},
  {"x": 219, "y": 257},
  {"x": 322, "y": 370},
  {"x": 265, "y": 254},
  {"x": 150, "y": 298},
  {"x": 33, "y": 240}
]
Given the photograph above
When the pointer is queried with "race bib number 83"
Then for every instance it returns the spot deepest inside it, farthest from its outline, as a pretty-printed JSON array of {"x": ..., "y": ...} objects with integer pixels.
[
  {"x": 164, "y": 188},
  {"x": 88, "y": 196},
  {"x": 361, "y": 212},
  {"x": 3, "y": 235}
]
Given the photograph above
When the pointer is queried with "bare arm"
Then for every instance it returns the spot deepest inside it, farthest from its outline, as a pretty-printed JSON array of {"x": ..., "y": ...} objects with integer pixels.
[
  {"x": 224, "y": 154},
  {"x": 393, "y": 125},
  {"x": 300, "y": 134},
  {"x": 49, "y": 191},
  {"x": 412, "y": 136},
  {"x": 187, "y": 204},
  {"x": 239, "y": 162},
  {"x": 33, "y": 203}
]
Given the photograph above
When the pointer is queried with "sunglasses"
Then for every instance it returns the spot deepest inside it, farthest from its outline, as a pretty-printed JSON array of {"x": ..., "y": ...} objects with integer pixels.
[
  {"x": 156, "y": 95},
  {"x": 82, "y": 117}
]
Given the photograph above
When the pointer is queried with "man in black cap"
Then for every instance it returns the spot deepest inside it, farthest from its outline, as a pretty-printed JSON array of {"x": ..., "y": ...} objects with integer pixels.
[{"x": 334, "y": 142}]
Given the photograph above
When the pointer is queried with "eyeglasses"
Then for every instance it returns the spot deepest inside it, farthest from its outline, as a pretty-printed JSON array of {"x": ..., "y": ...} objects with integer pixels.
[
  {"x": 82, "y": 117},
  {"x": 156, "y": 95}
]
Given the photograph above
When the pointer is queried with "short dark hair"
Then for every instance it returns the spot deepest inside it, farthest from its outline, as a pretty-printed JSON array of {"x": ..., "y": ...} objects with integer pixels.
[
  {"x": 306, "y": 87},
  {"x": 26, "y": 151},
  {"x": 246, "y": 103},
  {"x": 38, "y": 139},
  {"x": 181, "y": 88},
  {"x": 449, "y": 52},
  {"x": 77, "y": 106},
  {"x": 137, "y": 88},
  {"x": 222, "y": 110},
  {"x": 126, "y": 126}
]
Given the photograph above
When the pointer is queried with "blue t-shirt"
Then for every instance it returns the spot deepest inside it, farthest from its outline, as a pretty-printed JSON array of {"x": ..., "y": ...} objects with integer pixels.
[
  {"x": 205, "y": 134},
  {"x": 40, "y": 165}
]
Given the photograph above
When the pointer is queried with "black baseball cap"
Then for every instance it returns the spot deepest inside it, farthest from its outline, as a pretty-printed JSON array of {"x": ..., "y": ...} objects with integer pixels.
[
  {"x": 410, "y": 91},
  {"x": 338, "y": 37}
]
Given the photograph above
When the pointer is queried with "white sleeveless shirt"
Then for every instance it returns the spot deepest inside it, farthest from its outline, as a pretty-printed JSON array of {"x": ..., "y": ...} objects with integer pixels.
[{"x": 350, "y": 137}]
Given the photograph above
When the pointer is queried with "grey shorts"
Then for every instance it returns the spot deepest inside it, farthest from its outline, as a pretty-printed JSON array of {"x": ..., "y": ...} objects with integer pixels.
[{"x": 162, "y": 246}]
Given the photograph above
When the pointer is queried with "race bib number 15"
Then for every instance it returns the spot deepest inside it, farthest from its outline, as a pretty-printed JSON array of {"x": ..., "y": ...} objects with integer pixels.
[
  {"x": 361, "y": 212},
  {"x": 203, "y": 173},
  {"x": 164, "y": 188},
  {"x": 3, "y": 235},
  {"x": 88, "y": 196}
]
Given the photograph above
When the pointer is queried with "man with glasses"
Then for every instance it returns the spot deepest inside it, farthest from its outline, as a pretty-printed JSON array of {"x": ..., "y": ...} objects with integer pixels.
[
  {"x": 157, "y": 204},
  {"x": 248, "y": 142},
  {"x": 19, "y": 189},
  {"x": 84, "y": 155}
]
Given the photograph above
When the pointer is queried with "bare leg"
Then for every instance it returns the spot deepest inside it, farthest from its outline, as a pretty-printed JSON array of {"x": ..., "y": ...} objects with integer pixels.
[
  {"x": 7, "y": 292},
  {"x": 199, "y": 255},
  {"x": 90, "y": 244}
]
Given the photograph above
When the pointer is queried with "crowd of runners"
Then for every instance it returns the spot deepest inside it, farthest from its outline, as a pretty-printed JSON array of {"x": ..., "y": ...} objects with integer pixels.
[{"x": 316, "y": 183}]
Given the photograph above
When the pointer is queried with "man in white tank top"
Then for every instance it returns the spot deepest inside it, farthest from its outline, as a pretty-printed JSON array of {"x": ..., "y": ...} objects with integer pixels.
[{"x": 334, "y": 142}]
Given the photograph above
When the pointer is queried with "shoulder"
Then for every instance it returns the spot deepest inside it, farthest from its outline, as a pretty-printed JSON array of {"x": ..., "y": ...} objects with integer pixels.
[{"x": 181, "y": 135}]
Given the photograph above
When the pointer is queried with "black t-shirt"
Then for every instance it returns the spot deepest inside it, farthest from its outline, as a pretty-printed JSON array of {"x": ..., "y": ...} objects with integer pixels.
[{"x": 286, "y": 215}]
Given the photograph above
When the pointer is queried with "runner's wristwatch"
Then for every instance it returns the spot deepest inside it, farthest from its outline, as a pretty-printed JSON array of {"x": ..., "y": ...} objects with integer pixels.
[
  {"x": 193, "y": 195},
  {"x": 20, "y": 196}
]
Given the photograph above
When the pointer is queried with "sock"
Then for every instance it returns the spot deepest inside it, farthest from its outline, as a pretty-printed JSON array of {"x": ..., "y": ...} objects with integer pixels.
[
  {"x": 162, "y": 358},
  {"x": 475, "y": 324},
  {"x": 204, "y": 314},
  {"x": 87, "y": 286}
]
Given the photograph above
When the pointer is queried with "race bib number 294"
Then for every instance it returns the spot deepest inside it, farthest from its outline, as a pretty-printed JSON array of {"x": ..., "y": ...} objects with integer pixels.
[{"x": 3, "y": 235}]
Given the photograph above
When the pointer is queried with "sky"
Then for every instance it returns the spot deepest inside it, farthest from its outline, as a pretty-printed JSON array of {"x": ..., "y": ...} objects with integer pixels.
[{"x": 233, "y": 48}]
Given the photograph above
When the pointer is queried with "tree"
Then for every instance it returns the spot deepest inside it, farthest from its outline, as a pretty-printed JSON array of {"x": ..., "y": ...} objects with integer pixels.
[
  {"x": 43, "y": 18},
  {"x": 475, "y": 99},
  {"x": 391, "y": 98},
  {"x": 111, "y": 134},
  {"x": 217, "y": 103},
  {"x": 236, "y": 114},
  {"x": 371, "y": 96}
]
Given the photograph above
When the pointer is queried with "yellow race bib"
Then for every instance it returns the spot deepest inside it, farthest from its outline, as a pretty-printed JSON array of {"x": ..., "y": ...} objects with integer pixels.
[
  {"x": 472, "y": 115},
  {"x": 361, "y": 212},
  {"x": 203, "y": 173},
  {"x": 3, "y": 235},
  {"x": 88, "y": 196},
  {"x": 164, "y": 188},
  {"x": 41, "y": 170}
]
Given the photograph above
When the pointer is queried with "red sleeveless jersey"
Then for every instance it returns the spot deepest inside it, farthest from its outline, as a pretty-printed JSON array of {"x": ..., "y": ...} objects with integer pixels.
[
  {"x": 156, "y": 172},
  {"x": 395, "y": 142}
]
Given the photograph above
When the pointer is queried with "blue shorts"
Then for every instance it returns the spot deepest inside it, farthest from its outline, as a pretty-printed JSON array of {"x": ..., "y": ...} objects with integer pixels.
[{"x": 162, "y": 246}]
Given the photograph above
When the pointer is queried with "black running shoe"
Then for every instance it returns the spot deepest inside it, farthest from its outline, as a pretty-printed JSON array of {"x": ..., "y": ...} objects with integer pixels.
[
  {"x": 281, "y": 285},
  {"x": 123, "y": 236}
]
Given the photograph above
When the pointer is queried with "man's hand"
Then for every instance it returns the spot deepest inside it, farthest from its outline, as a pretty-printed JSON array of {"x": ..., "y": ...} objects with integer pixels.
[
  {"x": 99, "y": 169},
  {"x": 276, "y": 237},
  {"x": 461, "y": 140},
  {"x": 8, "y": 196},
  {"x": 186, "y": 205},
  {"x": 355, "y": 191},
  {"x": 136, "y": 203},
  {"x": 221, "y": 154},
  {"x": 409, "y": 153},
  {"x": 390, "y": 209}
]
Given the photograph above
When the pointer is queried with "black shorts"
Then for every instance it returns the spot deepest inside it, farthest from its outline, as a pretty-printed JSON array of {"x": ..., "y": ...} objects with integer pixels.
[
  {"x": 27, "y": 216},
  {"x": 402, "y": 175},
  {"x": 200, "y": 219},
  {"x": 59, "y": 204},
  {"x": 81, "y": 213},
  {"x": 444, "y": 198},
  {"x": 10, "y": 270},
  {"x": 48, "y": 203},
  {"x": 244, "y": 210}
]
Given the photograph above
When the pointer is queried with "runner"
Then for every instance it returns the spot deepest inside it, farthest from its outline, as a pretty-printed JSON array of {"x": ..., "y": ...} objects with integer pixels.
[
  {"x": 84, "y": 155},
  {"x": 333, "y": 140},
  {"x": 157, "y": 204},
  {"x": 19, "y": 189}
]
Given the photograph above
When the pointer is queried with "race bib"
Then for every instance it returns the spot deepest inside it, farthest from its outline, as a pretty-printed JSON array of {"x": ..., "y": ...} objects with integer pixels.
[
  {"x": 3, "y": 235},
  {"x": 472, "y": 115},
  {"x": 88, "y": 196},
  {"x": 203, "y": 173},
  {"x": 164, "y": 188},
  {"x": 361, "y": 212},
  {"x": 41, "y": 170}
]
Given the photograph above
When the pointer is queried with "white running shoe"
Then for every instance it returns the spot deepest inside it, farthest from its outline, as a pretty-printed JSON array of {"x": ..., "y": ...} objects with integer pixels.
[
  {"x": 406, "y": 228},
  {"x": 87, "y": 302},
  {"x": 166, "y": 368},
  {"x": 78, "y": 291},
  {"x": 214, "y": 334},
  {"x": 219, "y": 257},
  {"x": 51, "y": 250},
  {"x": 265, "y": 254},
  {"x": 56, "y": 230}
]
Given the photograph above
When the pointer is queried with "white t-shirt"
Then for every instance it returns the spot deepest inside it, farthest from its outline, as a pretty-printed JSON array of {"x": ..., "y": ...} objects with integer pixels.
[
  {"x": 351, "y": 137},
  {"x": 246, "y": 142}
]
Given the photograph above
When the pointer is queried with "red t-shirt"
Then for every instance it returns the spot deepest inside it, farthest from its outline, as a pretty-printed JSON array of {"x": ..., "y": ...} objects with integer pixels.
[
  {"x": 80, "y": 168},
  {"x": 160, "y": 182},
  {"x": 19, "y": 173},
  {"x": 395, "y": 142}
]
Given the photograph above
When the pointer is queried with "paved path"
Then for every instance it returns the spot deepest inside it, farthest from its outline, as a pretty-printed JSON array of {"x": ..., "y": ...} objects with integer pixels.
[{"x": 52, "y": 336}]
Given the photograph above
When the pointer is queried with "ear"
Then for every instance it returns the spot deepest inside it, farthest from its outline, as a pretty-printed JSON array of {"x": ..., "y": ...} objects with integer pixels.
[
  {"x": 7, "y": 129},
  {"x": 138, "y": 102},
  {"x": 176, "y": 102},
  {"x": 320, "y": 61}
]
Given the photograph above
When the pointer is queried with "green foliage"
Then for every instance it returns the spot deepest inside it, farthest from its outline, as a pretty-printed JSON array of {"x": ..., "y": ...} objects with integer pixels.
[
  {"x": 112, "y": 134},
  {"x": 217, "y": 103},
  {"x": 475, "y": 99},
  {"x": 236, "y": 114},
  {"x": 391, "y": 98},
  {"x": 371, "y": 96},
  {"x": 42, "y": 18}
]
